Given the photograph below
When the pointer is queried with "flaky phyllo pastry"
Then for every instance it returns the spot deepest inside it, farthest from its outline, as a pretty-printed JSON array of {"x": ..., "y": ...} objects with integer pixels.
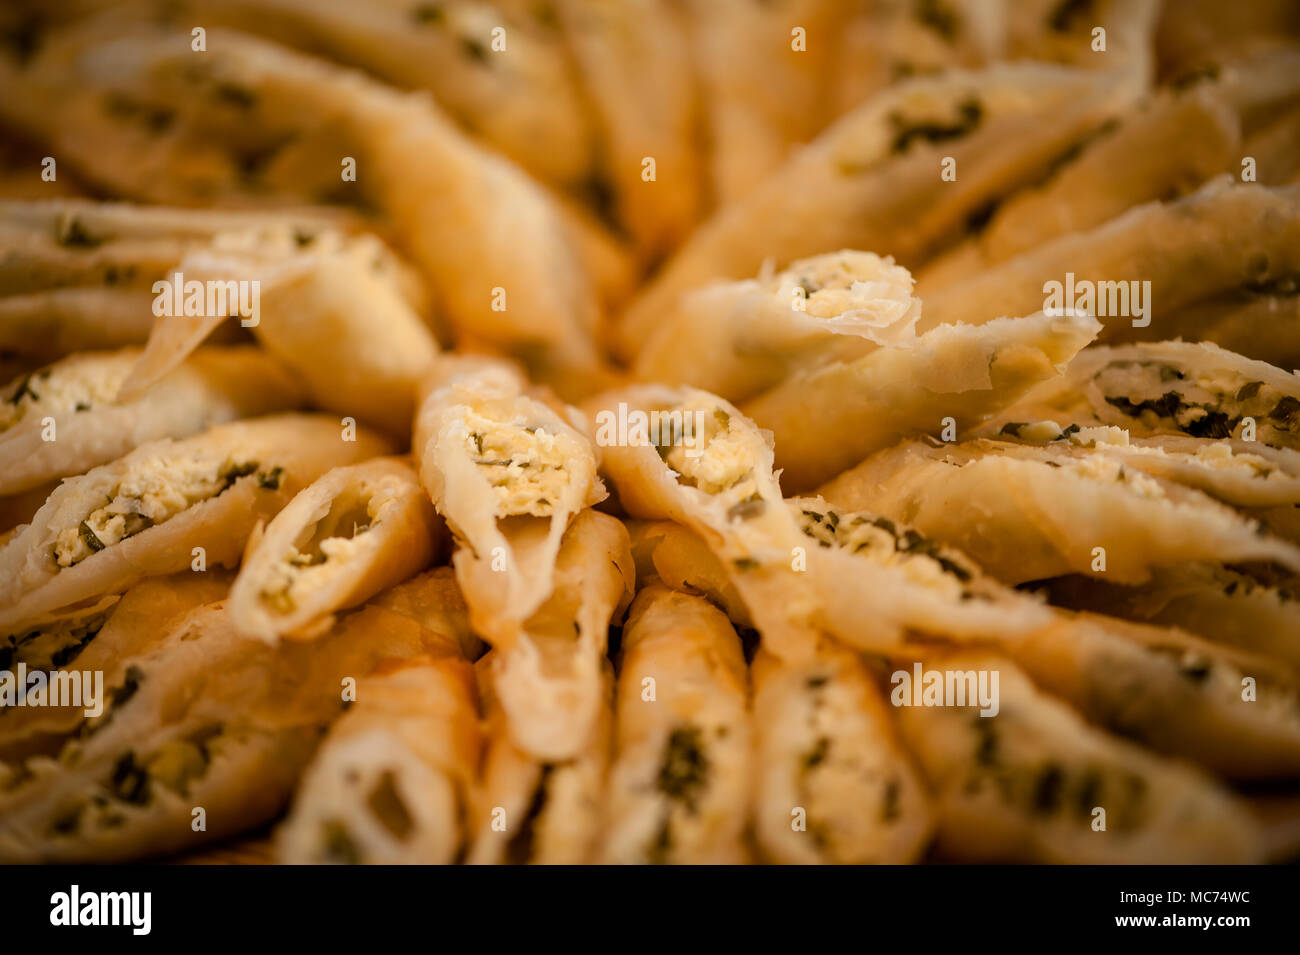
[
  {"x": 735, "y": 339},
  {"x": 76, "y": 400},
  {"x": 414, "y": 167},
  {"x": 682, "y": 759},
  {"x": 166, "y": 506},
  {"x": 1026, "y": 785},
  {"x": 390, "y": 781},
  {"x": 336, "y": 308},
  {"x": 1054, "y": 512},
  {"x": 201, "y": 717},
  {"x": 868, "y": 181},
  {"x": 826, "y": 749},
  {"x": 536, "y": 811},
  {"x": 508, "y": 473},
  {"x": 355, "y": 531},
  {"x": 701, "y": 463}
]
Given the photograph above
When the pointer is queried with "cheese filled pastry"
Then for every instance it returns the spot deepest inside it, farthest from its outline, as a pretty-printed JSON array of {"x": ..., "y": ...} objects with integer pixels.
[
  {"x": 1035, "y": 783},
  {"x": 353, "y": 532},
  {"x": 685, "y": 455},
  {"x": 548, "y": 678},
  {"x": 1222, "y": 237},
  {"x": 390, "y": 782},
  {"x": 252, "y": 126},
  {"x": 105, "y": 638},
  {"x": 870, "y": 180},
  {"x": 679, "y": 786},
  {"x": 1227, "y": 470},
  {"x": 1166, "y": 148},
  {"x": 167, "y": 506},
  {"x": 765, "y": 87},
  {"x": 635, "y": 61},
  {"x": 203, "y": 719},
  {"x": 828, "y": 419},
  {"x": 508, "y": 473},
  {"x": 533, "y": 811},
  {"x": 66, "y": 418},
  {"x": 1174, "y": 388},
  {"x": 526, "y": 105},
  {"x": 335, "y": 307},
  {"x": 1054, "y": 514},
  {"x": 735, "y": 339},
  {"x": 1211, "y": 601},
  {"x": 833, "y": 783}
]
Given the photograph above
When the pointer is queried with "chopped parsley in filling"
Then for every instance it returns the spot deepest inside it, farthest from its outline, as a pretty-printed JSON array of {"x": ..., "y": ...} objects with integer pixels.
[
  {"x": 49, "y": 649},
  {"x": 320, "y": 550},
  {"x": 529, "y": 468},
  {"x": 923, "y": 560},
  {"x": 1051, "y": 790},
  {"x": 152, "y": 492},
  {"x": 683, "y": 778},
  {"x": 58, "y": 392},
  {"x": 907, "y": 130},
  {"x": 1205, "y": 405},
  {"x": 133, "y": 782}
]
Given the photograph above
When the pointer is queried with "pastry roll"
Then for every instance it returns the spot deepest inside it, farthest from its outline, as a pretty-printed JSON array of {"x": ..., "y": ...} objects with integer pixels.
[
  {"x": 508, "y": 473},
  {"x": 1167, "y": 147},
  {"x": 534, "y": 811},
  {"x": 735, "y": 339},
  {"x": 826, "y": 420},
  {"x": 878, "y": 580},
  {"x": 688, "y": 456},
  {"x": 90, "y": 426},
  {"x": 354, "y": 531},
  {"x": 680, "y": 782},
  {"x": 337, "y": 309},
  {"x": 80, "y": 243},
  {"x": 163, "y": 507},
  {"x": 870, "y": 181},
  {"x": 765, "y": 88},
  {"x": 335, "y": 314},
  {"x": 1214, "y": 602},
  {"x": 527, "y": 105},
  {"x": 1025, "y": 517},
  {"x": 833, "y": 782},
  {"x": 106, "y": 638},
  {"x": 1220, "y": 238},
  {"x": 255, "y": 124},
  {"x": 547, "y": 678},
  {"x": 1226, "y": 470},
  {"x": 634, "y": 60},
  {"x": 1170, "y": 389},
  {"x": 1031, "y": 783},
  {"x": 390, "y": 782},
  {"x": 1236, "y": 713},
  {"x": 203, "y": 718}
]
